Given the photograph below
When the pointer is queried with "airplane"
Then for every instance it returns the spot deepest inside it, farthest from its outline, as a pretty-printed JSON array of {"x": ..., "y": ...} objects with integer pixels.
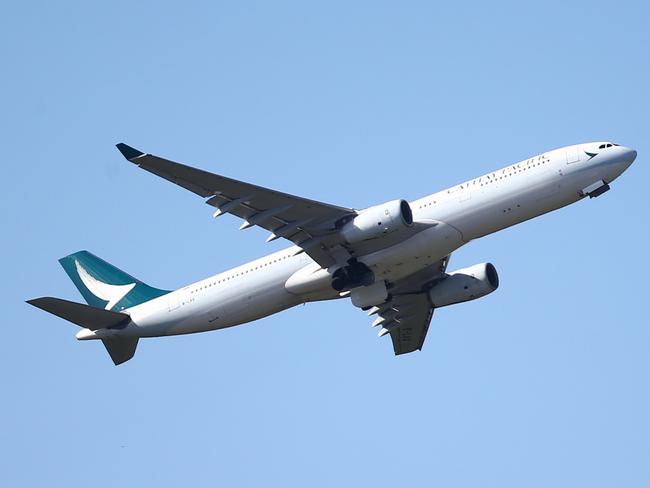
[{"x": 389, "y": 259}]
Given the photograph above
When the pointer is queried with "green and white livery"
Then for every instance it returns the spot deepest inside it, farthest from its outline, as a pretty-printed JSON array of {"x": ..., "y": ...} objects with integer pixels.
[
  {"x": 105, "y": 286},
  {"x": 390, "y": 259}
]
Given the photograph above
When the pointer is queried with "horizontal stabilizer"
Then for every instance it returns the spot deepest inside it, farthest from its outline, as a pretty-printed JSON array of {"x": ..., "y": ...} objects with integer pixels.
[{"x": 83, "y": 315}]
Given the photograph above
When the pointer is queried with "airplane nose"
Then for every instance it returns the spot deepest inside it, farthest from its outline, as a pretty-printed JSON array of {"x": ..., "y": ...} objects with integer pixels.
[
  {"x": 631, "y": 155},
  {"x": 617, "y": 161},
  {"x": 625, "y": 157}
]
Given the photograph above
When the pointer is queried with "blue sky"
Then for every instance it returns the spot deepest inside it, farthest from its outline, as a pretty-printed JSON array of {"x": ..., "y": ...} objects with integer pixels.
[{"x": 543, "y": 383}]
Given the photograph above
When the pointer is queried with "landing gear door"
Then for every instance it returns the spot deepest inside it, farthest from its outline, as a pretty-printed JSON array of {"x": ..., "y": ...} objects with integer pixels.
[{"x": 572, "y": 155}]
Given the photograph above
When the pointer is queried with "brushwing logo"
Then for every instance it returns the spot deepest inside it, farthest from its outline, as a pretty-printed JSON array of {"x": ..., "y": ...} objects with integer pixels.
[{"x": 104, "y": 291}]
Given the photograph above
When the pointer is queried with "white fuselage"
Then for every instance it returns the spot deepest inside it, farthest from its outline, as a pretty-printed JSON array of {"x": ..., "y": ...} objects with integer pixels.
[{"x": 462, "y": 213}]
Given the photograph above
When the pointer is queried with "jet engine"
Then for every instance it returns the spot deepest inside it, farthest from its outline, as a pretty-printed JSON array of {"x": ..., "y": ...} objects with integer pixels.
[
  {"x": 378, "y": 221},
  {"x": 464, "y": 285}
]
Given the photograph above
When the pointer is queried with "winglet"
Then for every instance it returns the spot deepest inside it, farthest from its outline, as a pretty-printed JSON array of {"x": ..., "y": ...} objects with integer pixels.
[{"x": 128, "y": 152}]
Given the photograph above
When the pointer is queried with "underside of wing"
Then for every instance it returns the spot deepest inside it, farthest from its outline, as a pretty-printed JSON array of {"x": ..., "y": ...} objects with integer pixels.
[
  {"x": 309, "y": 224},
  {"x": 406, "y": 318},
  {"x": 407, "y": 313}
]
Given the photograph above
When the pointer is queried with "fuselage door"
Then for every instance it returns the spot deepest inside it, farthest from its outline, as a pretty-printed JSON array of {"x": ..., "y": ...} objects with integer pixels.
[
  {"x": 173, "y": 300},
  {"x": 178, "y": 298},
  {"x": 572, "y": 155},
  {"x": 464, "y": 194}
]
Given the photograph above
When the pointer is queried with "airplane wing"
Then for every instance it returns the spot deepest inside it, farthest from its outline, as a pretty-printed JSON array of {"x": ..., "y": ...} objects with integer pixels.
[
  {"x": 407, "y": 313},
  {"x": 309, "y": 224},
  {"x": 406, "y": 318}
]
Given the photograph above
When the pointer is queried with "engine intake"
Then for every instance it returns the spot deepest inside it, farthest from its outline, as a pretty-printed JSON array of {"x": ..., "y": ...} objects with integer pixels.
[
  {"x": 378, "y": 221},
  {"x": 464, "y": 285}
]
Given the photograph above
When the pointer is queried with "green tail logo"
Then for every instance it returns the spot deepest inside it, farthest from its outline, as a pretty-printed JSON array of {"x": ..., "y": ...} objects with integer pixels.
[{"x": 105, "y": 286}]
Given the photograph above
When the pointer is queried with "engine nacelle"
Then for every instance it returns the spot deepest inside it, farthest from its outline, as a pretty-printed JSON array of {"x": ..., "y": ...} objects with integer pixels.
[
  {"x": 464, "y": 285},
  {"x": 378, "y": 221}
]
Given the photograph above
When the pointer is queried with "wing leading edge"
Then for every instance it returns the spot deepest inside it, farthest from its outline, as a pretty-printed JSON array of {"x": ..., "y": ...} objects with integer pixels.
[{"x": 309, "y": 224}]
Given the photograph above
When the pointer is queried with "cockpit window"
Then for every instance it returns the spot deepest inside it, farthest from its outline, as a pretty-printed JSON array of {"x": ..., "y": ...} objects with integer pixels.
[{"x": 607, "y": 144}]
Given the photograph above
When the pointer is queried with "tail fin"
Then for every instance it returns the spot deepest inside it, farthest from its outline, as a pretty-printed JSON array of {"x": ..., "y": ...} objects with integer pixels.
[{"x": 105, "y": 286}]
